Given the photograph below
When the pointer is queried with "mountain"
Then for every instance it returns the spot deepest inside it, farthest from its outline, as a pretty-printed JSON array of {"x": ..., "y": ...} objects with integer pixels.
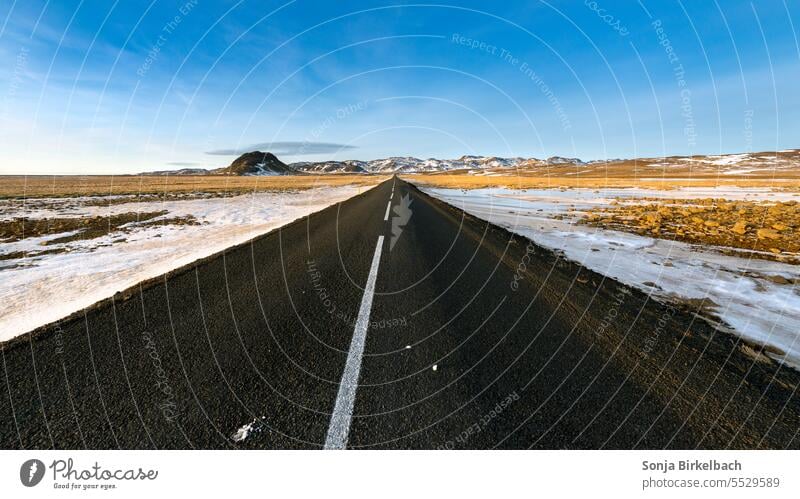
[
  {"x": 182, "y": 171},
  {"x": 347, "y": 166},
  {"x": 558, "y": 160},
  {"x": 256, "y": 163}
]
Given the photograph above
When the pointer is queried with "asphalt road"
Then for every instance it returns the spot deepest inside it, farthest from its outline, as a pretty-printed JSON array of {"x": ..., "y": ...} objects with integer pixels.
[{"x": 475, "y": 339}]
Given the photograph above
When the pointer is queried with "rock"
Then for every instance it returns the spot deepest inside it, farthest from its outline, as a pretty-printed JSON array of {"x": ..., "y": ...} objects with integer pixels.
[
  {"x": 740, "y": 227},
  {"x": 778, "y": 279},
  {"x": 767, "y": 234}
]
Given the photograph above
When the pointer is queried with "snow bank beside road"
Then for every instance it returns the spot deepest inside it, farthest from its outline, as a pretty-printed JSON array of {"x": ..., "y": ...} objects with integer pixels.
[
  {"x": 754, "y": 298},
  {"x": 35, "y": 291}
]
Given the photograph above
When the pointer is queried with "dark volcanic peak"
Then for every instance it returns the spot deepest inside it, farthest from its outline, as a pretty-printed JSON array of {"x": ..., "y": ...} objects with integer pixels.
[{"x": 256, "y": 163}]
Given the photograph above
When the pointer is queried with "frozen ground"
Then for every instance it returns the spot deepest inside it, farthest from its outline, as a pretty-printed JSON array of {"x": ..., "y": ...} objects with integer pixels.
[
  {"x": 753, "y": 298},
  {"x": 38, "y": 290}
]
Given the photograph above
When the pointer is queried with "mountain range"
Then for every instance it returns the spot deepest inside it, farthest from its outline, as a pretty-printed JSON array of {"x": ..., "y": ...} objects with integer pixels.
[
  {"x": 258, "y": 163},
  {"x": 264, "y": 163}
]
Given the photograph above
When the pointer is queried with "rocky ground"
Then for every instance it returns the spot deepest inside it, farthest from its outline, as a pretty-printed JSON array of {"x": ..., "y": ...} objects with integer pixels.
[{"x": 767, "y": 229}]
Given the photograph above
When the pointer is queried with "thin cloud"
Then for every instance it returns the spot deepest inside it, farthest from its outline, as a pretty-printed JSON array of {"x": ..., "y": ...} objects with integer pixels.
[
  {"x": 183, "y": 163},
  {"x": 291, "y": 148}
]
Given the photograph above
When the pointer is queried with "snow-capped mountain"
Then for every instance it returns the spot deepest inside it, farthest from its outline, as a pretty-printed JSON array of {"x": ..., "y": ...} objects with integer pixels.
[
  {"x": 408, "y": 164},
  {"x": 347, "y": 166}
]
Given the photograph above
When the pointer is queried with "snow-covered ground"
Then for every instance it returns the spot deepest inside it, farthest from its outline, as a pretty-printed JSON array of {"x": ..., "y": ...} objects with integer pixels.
[
  {"x": 38, "y": 290},
  {"x": 754, "y": 297}
]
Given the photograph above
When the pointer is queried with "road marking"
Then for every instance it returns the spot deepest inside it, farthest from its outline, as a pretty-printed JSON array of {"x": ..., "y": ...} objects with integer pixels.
[
  {"x": 391, "y": 196},
  {"x": 343, "y": 410},
  {"x": 386, "y": 216}
]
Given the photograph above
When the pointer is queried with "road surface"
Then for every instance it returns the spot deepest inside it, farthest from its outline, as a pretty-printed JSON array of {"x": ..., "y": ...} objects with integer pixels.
[{"x": 379, "y": 324}]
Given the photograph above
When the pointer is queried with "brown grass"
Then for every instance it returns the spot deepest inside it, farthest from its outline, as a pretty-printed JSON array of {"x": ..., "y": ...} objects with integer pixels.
[
  {"x": 103, "y": 185},
  {"x": 80, "y": 229},
  {"x": 596, "y": 178}
]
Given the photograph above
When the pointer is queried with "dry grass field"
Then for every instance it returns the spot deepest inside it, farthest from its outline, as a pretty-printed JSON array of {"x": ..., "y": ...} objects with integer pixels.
[
  {"x": 19, "y": 186},
  {"x": 568, "y": 177}
]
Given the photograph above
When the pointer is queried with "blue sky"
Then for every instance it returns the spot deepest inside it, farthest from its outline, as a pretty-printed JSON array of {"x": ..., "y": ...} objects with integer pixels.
[{"x": 102, "y": 86}]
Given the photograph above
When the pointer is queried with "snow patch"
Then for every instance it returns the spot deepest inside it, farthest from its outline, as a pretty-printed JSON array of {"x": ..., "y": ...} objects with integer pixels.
[
  {"x": 249, "y": 429},
  {"x": 730, "y": 159}
]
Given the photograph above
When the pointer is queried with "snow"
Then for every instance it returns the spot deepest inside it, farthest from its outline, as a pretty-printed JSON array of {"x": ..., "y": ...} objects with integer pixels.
[
  {"x": 251, "y": 428},
  {"x": 603, "y": 196},
  {"x": 752, "y": 298},
  {"x": 740, "y": 171},
  {"x": 730, "y": 159},
  {"x": 37, "y": 290}
]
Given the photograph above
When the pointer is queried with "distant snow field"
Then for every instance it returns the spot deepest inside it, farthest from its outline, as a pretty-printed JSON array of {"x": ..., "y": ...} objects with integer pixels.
[
  {"x": 754, "y": 298},
  {"x": 37, "y": 290}
]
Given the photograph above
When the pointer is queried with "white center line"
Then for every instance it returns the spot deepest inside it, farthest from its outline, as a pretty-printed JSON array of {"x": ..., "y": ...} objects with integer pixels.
[
  {"x": 386, "y": 216},
  {"x": 343, "y": 410}
]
